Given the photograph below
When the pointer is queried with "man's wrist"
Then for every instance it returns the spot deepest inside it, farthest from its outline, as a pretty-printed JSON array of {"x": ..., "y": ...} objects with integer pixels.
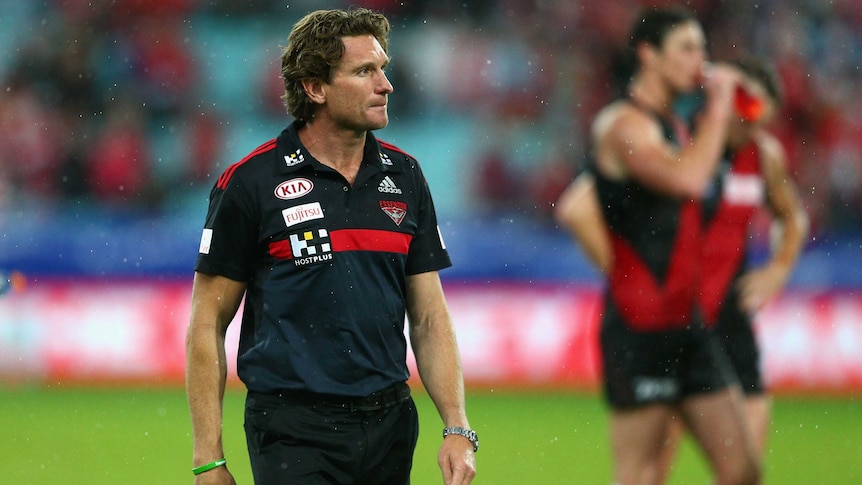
[
  {"x": 465, "y": 432},
  {"x": 209, "y": 466}
]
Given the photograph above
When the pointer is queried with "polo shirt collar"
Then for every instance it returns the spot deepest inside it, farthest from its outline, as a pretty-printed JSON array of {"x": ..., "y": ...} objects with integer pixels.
[{"x": 295, "y": 157}]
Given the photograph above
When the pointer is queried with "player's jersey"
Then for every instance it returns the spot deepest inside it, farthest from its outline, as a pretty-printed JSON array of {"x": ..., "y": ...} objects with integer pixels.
[
  {"x": 738, "y": 192},
  {"x": 656, "y": 249},
  {"x": 325, "y": 262}
]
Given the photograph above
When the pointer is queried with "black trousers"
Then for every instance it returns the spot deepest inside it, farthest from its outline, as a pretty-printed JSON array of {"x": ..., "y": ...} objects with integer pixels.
[{"x": 312, "y": 439}]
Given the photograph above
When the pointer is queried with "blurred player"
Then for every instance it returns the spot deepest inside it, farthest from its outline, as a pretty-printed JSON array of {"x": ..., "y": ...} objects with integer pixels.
[
  {"x": 644, "y": 232},
  {"x": 752, "y": 174}
]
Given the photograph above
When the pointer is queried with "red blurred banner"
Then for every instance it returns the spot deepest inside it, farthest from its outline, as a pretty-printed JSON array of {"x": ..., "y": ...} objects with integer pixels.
[{"x": 511, "y": 335}]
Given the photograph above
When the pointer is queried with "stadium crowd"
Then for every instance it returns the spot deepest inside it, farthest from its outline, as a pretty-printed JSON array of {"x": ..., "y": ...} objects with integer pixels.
[{"x": 126, "y": 103}]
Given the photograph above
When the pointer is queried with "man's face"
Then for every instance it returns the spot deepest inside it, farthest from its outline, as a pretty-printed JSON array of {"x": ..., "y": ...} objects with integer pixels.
[
  {"x": 681, "y": 57},
  {"x": 357, "y": 94}
]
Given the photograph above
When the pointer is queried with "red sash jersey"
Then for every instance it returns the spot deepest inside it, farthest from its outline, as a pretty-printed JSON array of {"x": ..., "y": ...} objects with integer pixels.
[
  {"x": 325, "y": 264},
  {"x": 655, "y": 239},
  {"x": 738, "y": 195}
]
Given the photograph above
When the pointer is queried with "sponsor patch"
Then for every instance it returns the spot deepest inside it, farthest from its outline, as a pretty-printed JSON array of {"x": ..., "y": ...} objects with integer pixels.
[
  {"x": 294, "y": 158},
  {"x": 293, "y": 188},
  {"x": 743, "y": 189},
  {"x": 395, "y": 210},
  {"x": 301, "y": 213},
  {"x": 387, "y": 186},
  {"x": 304, "y": 248},
  {"x": 206, "y": 240},
  {"x": 655, "y": 388}
]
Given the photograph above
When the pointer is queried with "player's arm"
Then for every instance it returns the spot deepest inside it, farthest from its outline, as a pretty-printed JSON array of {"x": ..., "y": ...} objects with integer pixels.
[
  {"x": 215, "y": 300},
  {"x": 790, "y": 226},
  {"x": 579, "y": 212},
  {"x": 432, "y": 336},
  {"x": 635, "y": 146}
]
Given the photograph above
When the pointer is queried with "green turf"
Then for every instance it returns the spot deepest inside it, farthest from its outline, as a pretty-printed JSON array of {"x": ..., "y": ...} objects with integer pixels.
[{"x": 114, "y": 436}]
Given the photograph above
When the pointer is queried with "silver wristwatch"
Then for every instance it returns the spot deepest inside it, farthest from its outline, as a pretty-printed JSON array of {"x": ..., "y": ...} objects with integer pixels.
[{"x": 465, "y": 432}]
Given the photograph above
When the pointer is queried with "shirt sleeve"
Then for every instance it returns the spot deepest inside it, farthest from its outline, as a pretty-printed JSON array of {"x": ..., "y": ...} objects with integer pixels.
[
  {"x": 229, "y": 240},
  {"x": 427, "y": 250}
]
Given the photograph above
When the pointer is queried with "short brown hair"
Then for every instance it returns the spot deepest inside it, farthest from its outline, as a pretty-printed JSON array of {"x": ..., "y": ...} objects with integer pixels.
[
  {"x": 762, "y": 72},
  {"x": 314, "y": 47}
]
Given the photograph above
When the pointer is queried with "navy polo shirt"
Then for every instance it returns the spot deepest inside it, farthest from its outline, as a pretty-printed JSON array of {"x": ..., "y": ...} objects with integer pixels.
[{"x": 325, "y": 264}]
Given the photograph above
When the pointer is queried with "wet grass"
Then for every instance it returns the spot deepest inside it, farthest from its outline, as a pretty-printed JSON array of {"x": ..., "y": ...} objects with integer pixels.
[{"x": 142, "y": 436}]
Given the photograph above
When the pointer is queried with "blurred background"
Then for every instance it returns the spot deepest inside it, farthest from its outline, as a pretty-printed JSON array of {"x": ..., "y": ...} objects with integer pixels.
[{"x": 116, "y": 118}]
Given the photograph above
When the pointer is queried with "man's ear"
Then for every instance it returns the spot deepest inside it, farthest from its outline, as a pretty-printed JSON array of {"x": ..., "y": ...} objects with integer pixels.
[
  {"x": 646, "y": 53},
  {"x": 314, "y": 90}
]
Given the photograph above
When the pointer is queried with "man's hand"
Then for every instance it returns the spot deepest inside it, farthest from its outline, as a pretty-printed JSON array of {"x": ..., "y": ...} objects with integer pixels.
[
  {"x": 760, "y": 285},
  {"x": 456, "y": 460}
]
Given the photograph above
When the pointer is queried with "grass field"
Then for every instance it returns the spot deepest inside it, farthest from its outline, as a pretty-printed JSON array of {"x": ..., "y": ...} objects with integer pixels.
[{"x": 122, "y": 436}]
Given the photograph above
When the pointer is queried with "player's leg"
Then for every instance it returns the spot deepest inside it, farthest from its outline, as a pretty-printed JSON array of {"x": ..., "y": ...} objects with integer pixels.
[
  {"x": 717, "y": 422},
  {"x": 736, "y": 337},
  {"x": 758, "y": 409},
  {"x": 674, "y": 432},
  {"x": 637, "y": 438}
]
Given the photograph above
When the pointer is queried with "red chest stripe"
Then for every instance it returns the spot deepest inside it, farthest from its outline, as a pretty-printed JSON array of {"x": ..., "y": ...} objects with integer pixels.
[
  {"x": 370, "y": 240},
  {"x": 353, "y": 240}
]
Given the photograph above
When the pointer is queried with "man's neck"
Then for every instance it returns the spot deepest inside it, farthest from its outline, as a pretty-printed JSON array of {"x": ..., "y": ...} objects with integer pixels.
[
  {"x": 653, "y": 94},
  {"x": 341, "y": 150}
]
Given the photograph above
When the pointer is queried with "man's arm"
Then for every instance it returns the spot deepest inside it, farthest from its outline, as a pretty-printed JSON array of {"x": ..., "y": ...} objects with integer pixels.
[
  {"x": 790, "y": 224},
  {"x": 579, "y": 212},
  {"x": 215, "y": 300},
  {"x": 631, "y": 144},
  {"x": 432, "y": 336}
]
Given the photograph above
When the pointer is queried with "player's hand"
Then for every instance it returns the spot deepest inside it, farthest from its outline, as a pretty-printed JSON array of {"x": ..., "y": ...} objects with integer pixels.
[
  {"x": 216, "y": 476},
  {"x": 761, "y": 285},
  {"x": 720, "y": 81},
  {"x": 457, "y": 460}
]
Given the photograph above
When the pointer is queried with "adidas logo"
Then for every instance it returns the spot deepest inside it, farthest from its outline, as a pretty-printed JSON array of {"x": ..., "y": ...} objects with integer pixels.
[{"x": 388, "y": 186}]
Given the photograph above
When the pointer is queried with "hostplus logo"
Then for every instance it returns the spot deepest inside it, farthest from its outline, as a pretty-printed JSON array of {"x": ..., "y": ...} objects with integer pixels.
[
  {"x": 308, "y": 248},
  {"x": 388, "y": 186}
]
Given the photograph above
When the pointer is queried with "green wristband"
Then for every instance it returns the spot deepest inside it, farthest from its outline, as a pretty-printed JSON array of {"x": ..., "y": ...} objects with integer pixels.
[{"x": 209, "y": 466}]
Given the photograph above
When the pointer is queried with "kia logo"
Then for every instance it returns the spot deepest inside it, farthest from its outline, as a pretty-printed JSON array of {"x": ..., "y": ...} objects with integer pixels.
[{"x": 293, "y": 189}]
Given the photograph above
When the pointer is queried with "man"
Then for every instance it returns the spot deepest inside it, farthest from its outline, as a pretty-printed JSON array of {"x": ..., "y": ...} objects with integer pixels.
[
  {"x": 659, "y": 360},
  {"x": 753, "y": 174},
  {"x": 332, "y": 237}
]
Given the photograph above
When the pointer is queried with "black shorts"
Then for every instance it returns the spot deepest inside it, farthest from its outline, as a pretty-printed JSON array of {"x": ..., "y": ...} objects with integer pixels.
[
  {"x": 735, "y": 335},
  {"x": 315, "y": 439},
  {"x": 659, "y": 367}
]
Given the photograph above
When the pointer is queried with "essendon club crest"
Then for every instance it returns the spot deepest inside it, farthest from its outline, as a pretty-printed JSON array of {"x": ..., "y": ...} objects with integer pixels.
[{"x": 395, "y": 210}]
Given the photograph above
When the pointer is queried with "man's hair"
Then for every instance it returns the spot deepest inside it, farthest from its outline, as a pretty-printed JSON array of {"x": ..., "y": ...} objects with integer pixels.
[
  {"x": 315, "y": 47},
  {"x": 763, "y": 73},
  {"x": 652, "y": 27}
]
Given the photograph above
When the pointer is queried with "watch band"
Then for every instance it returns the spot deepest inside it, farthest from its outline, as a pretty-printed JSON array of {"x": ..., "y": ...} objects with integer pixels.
[{"x": 465, "y": 432}]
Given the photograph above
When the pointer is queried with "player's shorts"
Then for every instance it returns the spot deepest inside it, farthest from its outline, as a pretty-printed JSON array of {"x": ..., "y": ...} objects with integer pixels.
[
  {"x": 735, "y": 336},
  {"x": 659, "y": 367}
]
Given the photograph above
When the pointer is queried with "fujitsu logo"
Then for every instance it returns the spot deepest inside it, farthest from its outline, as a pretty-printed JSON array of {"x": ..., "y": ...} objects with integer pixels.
[
  {"x": 293, "y": 188},
  {"x": 302, "y": 213},
  {"x": 388, "y": 186}
]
